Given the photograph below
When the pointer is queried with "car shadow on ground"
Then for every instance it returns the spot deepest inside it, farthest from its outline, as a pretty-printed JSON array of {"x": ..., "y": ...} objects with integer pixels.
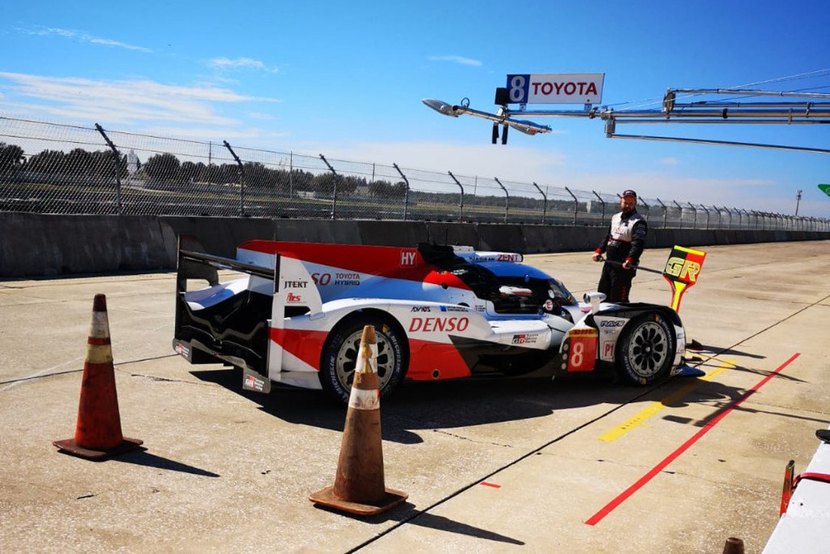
[{"x": 462, "y": 403}]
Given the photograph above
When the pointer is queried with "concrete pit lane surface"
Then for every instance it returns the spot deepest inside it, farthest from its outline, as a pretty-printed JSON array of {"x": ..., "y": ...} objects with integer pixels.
[{"x": 573, "y": 465}]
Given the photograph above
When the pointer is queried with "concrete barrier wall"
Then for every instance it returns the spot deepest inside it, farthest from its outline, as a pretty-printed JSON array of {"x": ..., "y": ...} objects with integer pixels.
[{"x": 35, "y": 245}]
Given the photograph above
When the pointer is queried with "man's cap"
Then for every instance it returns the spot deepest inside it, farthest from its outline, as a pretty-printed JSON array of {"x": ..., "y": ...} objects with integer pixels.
[{"x": 629, "y": 192}]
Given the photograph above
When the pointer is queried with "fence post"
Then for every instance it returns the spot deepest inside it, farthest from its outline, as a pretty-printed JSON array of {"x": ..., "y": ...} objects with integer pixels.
[
  {"x": 506, "y": 198},
  {"x": 241, "y": 178},
  {"x": 576, "y": 202},
  {"x": 681, "y": 212},
  {"x": 334, "y": 195},
  {"x": 116, "y": 156},
  {"x": 707, "y": 216},
  {"x": 406, "y": 192},
  {"x": 694, "y": 215},
  {"x": 648, "y": 208},
  {"x": 461, "y": 203},
  {"x": 665, "y": 212},
  {"x": 602, "y": 217},
  {"x": 730, "y": 216},
  {"x": 544, "y": 204}
]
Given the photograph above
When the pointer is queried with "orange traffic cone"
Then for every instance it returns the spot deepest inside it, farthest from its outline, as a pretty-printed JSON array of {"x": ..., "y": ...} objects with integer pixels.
[
  {"x": 733, "y": 545},
  {"x": 98, "y": 431},
  {"x": 359, "y": 485},
  {"x": 787, "y": 491}
]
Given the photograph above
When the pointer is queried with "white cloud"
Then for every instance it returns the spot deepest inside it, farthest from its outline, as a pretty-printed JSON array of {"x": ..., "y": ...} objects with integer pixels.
[
  {"x": 670, "y": 161},
  {"x": 461, "y": 60},
  {"x": 261, "y": 116},
  {"x": 83, "y": 36},
  {"x": 128, "y": 102},
  {"x": 241, "y": 63}
]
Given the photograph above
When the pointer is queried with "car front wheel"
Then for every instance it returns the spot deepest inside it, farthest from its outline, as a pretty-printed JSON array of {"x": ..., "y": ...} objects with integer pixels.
[{"x": 645, "y": 349}]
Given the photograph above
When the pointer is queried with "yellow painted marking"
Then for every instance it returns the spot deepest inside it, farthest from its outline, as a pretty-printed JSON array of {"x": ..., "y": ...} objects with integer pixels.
[{"x": 656, "y": 407}]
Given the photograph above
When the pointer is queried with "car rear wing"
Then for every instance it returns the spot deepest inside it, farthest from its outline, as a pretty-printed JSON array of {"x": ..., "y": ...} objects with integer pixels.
[{"x": 192, "y": 264}]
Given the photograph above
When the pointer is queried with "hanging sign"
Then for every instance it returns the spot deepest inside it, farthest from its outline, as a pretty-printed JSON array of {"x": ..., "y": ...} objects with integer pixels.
[{"x": 555, "y": 88}]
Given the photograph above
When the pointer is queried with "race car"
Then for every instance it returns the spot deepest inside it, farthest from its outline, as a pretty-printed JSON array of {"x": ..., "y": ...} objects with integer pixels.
[{"x": 295, "y": 313}]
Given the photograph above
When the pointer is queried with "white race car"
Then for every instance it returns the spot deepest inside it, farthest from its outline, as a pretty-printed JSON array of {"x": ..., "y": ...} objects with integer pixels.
[{"x": 296, "y": 312}]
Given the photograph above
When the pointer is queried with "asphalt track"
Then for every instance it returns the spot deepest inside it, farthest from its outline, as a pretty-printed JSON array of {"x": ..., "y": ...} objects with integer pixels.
[{"x": 573, "y": 465}]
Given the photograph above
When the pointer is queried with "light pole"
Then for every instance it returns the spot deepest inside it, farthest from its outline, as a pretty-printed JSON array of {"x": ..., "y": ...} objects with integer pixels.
[{"x": 797, "y": 201}]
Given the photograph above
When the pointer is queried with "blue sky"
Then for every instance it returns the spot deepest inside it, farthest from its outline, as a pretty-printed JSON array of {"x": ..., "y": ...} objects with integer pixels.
[{"x": 347, "y": 78}]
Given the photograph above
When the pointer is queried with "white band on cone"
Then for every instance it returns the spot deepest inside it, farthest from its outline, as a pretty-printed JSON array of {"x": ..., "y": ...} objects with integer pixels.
[
  {"x": 100, "y": 328},
  {"x": 360, "y": 365},
  {"x": 360, "y": 399}
]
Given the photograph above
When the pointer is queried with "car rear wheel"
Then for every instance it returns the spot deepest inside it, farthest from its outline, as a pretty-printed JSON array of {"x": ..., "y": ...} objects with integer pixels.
[
  {"x": 340, "y": 352},
  {"x": 645, "y": 349}
]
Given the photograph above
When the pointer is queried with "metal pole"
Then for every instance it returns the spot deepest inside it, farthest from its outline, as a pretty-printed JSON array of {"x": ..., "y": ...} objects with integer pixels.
[
  {"x": 241, "y": 178},
  {"x": 544, "y": 204},
  {"x": 707, "y": 216},
  {"x": 602, "y": 217},
  {"x": 506, "y": 198},
  {"x": 694, "y": 214},
  {"x": 334, "y": 195},
  {"x": 797, "y": 201},
  {"x": 648, "y": 208},
  {"x": 576, "y": 202},
  {"x": 665, "y": 212},
  {"x": 461, "y": 203},
  {"x": 730, "y": 216},
  {"x": 681, "y": 212},
  {"x": 116, "y": 156},
  {"x": 406, "y": 192}
]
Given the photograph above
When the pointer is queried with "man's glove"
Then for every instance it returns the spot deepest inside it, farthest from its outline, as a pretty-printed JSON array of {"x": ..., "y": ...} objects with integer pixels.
[{"x": 628, "y": 263}]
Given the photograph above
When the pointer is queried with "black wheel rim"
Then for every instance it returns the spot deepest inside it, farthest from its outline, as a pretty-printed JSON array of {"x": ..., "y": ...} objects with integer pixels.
[{"x": 648, "y": 349}]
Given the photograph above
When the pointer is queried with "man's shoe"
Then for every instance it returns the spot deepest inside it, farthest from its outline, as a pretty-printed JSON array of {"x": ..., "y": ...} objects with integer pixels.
[{"x": 824, "y": 435}]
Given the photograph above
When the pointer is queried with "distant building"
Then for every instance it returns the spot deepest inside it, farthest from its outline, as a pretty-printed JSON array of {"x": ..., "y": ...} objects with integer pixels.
[{"x": 132, "y": 162}]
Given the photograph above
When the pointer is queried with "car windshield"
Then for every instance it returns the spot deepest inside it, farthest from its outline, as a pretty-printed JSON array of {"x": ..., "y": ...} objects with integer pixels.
[{"x": 526, "y": 290}]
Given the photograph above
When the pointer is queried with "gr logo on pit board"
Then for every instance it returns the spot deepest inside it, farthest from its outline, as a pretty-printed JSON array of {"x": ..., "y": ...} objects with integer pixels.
[{"x": 683, "y": 269}]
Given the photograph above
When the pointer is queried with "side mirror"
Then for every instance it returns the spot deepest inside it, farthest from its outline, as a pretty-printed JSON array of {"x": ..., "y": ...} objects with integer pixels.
[{"x": 594, "y": 298}]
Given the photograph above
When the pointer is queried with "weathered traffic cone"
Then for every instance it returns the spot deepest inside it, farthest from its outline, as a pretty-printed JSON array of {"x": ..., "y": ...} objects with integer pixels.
[
  {"x": 733, "y": 545},
  {"x": 359, "y": 485},
  {"x": 98, "y": 430},
  {"x": 787, "y": 490}
]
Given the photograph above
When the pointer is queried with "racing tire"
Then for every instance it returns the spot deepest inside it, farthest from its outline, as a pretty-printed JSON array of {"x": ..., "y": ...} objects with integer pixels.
[
  {"x": 339, "y": 356},
  {"x": 645, "y": 349}
]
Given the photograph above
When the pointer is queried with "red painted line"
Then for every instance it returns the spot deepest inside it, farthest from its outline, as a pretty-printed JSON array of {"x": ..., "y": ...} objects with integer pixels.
[
  {"x": 623, "y": 496},
  {"x": 486, "y": 484}
]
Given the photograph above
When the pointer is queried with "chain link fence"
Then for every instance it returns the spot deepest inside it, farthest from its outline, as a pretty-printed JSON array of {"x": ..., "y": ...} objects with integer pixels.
[{"x": 65, "y": 169}]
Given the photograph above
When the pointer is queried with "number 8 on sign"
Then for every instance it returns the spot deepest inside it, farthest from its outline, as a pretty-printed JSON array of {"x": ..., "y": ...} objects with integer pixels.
[{"x": 517, "y": 88}]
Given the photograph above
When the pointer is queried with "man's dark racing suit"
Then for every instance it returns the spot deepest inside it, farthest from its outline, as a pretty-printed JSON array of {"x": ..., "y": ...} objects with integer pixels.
[{"x": 623, "y": 244}]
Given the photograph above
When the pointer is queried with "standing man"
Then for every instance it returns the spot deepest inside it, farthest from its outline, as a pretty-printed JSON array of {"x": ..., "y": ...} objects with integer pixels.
[{"x": 622, "y": 248}]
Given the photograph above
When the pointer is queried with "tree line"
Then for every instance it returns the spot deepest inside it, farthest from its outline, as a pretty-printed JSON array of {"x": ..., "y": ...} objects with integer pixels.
[{"x": 167, "y": 171}]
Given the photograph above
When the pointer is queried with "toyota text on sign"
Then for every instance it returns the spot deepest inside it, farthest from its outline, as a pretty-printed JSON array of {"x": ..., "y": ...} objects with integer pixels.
[{"x": 555, "y": 88}]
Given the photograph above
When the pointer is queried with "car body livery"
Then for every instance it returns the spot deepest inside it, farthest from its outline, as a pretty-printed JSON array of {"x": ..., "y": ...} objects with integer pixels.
[{"x": 296, "y": 312}]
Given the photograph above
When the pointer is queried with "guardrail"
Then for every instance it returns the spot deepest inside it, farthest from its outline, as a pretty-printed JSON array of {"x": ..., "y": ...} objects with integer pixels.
[{"x": 64, "y": 169}]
